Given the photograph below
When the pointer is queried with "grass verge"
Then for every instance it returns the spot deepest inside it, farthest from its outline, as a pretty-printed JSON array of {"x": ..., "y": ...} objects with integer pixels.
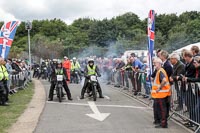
[{"x": 17, "y": 104}]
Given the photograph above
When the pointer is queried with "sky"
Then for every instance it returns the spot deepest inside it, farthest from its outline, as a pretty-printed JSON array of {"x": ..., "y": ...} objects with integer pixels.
[{"x": 69, "y": 10}]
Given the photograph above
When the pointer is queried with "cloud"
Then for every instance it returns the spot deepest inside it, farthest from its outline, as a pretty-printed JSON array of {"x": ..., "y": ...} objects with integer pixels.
[{"x": 69, "y": 10}]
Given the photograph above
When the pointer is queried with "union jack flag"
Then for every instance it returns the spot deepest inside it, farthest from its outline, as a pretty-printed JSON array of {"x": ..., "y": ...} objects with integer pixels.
[
  {"x": 151, "y": 36},
  {"x": 7, "y": 35}
]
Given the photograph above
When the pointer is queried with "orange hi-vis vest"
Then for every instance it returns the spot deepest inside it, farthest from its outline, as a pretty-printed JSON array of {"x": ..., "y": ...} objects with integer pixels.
[{"x": 164, "y": 92}]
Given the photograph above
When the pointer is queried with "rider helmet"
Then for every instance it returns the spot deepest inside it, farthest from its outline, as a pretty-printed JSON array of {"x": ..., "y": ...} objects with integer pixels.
[
  {"x": 59, "y": 62},
  {"x": 91, "y": 61}
]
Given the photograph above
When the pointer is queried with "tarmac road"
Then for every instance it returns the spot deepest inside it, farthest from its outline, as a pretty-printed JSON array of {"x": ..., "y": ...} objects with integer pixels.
[{"x": 116, "y": 113}]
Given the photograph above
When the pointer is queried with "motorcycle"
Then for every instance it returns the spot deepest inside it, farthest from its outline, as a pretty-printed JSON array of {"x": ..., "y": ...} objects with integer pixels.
[
  {"x": 59, "y": 87},
  {"x": 76, "y": 76},
  {"x": 36, "y": 72},
  {"x": 43, "y": 73},
  {"x": 93, "y": 86}
]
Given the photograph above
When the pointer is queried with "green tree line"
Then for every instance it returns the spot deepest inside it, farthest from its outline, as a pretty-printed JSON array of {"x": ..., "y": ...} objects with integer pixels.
[{"x": 54, "y": 38}]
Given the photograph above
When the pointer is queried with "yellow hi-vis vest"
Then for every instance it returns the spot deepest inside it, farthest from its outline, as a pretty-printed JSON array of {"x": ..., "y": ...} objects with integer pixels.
[
  {"x": 164, "y": 92},
  {"x": 75, "y": 66},
  {"x": 91, "y": 71},
  {"x": 59, "y": 72},
  {"x": 3, "y": 72}
]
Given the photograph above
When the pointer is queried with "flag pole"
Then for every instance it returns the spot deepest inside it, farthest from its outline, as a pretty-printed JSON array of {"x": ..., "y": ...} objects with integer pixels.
[{"x": 28, "y": 27}]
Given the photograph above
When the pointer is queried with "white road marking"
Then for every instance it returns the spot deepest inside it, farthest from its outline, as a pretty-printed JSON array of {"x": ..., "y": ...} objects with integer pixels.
[
  {"x": 115, "y": 106},
  {"x": 97, "y": 115},
  {"x": 78, "y": 98},
  {"x": 107, "y": 97}
]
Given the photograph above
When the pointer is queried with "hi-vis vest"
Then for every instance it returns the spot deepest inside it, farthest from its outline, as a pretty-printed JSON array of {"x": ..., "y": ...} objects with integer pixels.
[
  {"x": 91, "y": 71},
  {"x": 3, "y": 73},
  {"x": 59, "y": 71},
  {"x": 75, "y": 66},
  {"x": 165, "y": 90}
]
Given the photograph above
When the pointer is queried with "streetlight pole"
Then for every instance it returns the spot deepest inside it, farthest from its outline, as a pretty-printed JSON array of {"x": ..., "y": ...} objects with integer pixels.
[{"x": 28, "y": 27}]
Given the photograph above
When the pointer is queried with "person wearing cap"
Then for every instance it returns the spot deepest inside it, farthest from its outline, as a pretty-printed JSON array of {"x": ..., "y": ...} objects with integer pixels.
[
  {"x": 91, "y": 69},
  {"x": 59, "y": 70},
  {"x": 67, "y": 66},
  {"x": 160, "y": 90}
]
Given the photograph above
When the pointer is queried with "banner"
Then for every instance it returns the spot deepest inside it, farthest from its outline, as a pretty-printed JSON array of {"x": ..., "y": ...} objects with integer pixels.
[
  {"x": 151, "y": 36},
  {"x": 7, "y": 35}
]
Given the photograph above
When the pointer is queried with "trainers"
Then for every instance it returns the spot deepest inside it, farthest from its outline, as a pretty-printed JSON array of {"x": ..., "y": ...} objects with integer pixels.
[{"x": 101, "y": 96}]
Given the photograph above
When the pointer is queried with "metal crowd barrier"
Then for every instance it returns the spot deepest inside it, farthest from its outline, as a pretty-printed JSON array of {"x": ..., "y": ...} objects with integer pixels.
[
  {"x": 185, "y": 98},
  {"x": 19, "y": 80},
  {"x": 185, "y": 103}
]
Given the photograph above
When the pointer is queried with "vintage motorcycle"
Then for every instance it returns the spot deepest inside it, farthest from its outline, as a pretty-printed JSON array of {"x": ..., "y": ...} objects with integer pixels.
[
  {"x": 59, "y": 87},
  {"x": 92, "y": 88}
]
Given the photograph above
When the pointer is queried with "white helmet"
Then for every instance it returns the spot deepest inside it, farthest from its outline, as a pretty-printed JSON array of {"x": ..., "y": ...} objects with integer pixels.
[
  {"x": 74, "y": 58},
  {"x": 59, "y": 61},
  {"x": 91, "y": 60}
]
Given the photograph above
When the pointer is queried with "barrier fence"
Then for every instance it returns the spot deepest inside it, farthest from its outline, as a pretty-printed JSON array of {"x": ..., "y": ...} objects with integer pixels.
[
  {"x": 18, "y": 80},
  {"x": 185, "y": 98}
]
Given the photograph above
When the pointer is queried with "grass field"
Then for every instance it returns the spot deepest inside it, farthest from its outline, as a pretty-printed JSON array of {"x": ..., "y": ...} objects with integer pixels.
[{"x": 17, "y": 104}]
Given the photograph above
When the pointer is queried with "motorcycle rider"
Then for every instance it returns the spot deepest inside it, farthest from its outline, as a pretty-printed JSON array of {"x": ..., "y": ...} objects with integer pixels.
[
  {"x": 59, "y": 70},
  {"x": 75, "y": 66},
  {"x": 42, "y": 67},
  {"x": 36, "y": 70},
  {"x": 91, "y": 69}
]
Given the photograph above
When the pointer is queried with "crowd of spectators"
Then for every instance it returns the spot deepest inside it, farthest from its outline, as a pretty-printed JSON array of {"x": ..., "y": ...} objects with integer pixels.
[{"x": 18, "y": 75}]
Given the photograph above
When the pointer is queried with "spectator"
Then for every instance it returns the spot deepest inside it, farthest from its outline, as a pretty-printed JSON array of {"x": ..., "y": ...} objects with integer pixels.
[
  {"x": 4, "y": 77},
  {"x": 119, "y": 65},
  {"x": 137, "y": 66},
  {"x": 160, "y": 89},
  {"x": 67, "y": 66},
  {"x": 190, "y": 71},
  {"x": 168, "y": 68},
  {"x": 178, "y": 69},
  {"x": 147, "y": 79},
  {"x": 9, "y": 69},
  {"x": 128, "y": 73},
  {"x": 195, "y": 51},
  {"x": 194, "y": 96}
]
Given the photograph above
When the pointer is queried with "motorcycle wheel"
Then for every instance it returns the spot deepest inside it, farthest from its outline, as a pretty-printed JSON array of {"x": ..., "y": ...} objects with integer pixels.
[
  {"x": 60, "y": 94},
  {"x": 94, "y": 93}
]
